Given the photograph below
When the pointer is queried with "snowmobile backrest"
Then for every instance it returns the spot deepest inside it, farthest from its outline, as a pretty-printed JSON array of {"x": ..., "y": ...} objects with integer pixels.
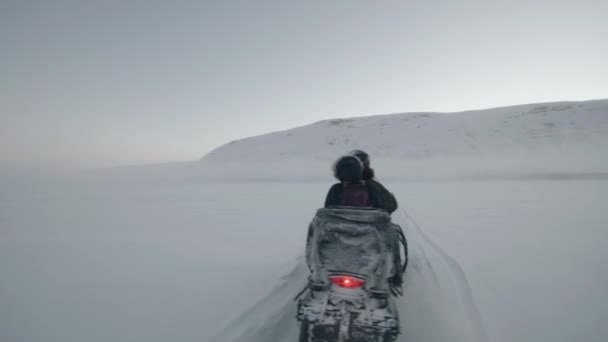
[
  {"x": 355, "y": 214},
  {"x": 352, "y": 240}
]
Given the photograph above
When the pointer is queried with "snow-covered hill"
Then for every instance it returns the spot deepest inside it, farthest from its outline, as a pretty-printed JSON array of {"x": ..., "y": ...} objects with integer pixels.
[
  {"x": 548, "y": 138},
  {"x": 427, "y": 135}
]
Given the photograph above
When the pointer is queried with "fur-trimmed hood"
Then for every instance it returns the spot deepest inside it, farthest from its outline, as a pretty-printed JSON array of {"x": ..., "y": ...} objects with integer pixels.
[{"x": 348, "y": 169}]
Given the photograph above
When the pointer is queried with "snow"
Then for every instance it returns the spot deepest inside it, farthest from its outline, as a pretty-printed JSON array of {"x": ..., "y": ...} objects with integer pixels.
[
  {"x": 146, "y": 261},
  {"x": 501, "y": 250}
]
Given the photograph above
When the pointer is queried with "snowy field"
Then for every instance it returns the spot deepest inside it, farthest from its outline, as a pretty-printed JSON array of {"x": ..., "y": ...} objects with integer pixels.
[{"x": 180, "y": 260}]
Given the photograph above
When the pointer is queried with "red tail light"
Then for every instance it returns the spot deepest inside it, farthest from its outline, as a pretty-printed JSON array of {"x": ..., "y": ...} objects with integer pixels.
[{"x": 346, "y": 281}]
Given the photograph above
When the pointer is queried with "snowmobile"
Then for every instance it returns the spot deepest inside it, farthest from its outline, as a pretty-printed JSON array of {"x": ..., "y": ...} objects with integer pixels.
[{"x": 354, "y": 255}]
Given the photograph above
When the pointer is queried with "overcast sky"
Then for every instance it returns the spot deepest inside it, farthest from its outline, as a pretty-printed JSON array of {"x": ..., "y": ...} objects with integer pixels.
[{"x": 103, "y": 83}]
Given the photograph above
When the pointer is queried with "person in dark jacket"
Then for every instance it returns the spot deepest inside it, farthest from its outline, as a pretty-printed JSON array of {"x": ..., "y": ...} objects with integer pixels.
[
  {"x": 357, "y": 188},
  {"x": 388, "y": 199},
  {"x": 352, "y": 191}
]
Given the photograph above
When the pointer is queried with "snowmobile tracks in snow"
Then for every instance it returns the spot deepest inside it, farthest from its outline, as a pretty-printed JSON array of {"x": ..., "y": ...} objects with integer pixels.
[{"x": 437, "y": 306}]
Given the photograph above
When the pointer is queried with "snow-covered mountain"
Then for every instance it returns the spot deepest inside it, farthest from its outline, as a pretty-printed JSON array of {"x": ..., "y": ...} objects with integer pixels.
[
  {"x": 561, "y": 137},
  {"x": 549, "y": 140},
  {"x": 414, "y": 136}
]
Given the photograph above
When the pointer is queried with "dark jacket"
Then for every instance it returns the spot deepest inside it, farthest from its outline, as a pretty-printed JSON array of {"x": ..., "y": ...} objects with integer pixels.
[
  {"x": 388, "y": 200},
  {"x": 335, "y": 196}
]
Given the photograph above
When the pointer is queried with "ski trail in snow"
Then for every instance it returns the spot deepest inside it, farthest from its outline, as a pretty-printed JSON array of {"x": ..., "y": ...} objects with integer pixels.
[
  {"x": 273, "y": 317},
  {"x": 437, "y": 305},
  {"x": 416, "y": 235}
]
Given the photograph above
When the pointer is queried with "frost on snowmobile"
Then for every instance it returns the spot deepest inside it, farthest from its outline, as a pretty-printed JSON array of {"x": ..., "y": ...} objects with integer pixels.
[{"x": 351, "y": 256}]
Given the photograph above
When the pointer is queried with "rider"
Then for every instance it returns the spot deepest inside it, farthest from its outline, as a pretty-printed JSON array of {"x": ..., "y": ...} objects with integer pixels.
[
  {"x": 358, "y": 188},
  {"x": 352, "y": 191},
  {"x": 388, "y": 199}
]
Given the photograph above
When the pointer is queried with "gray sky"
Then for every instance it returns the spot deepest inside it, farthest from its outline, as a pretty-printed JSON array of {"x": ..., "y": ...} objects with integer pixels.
[{"x": 103, "y": 83}]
